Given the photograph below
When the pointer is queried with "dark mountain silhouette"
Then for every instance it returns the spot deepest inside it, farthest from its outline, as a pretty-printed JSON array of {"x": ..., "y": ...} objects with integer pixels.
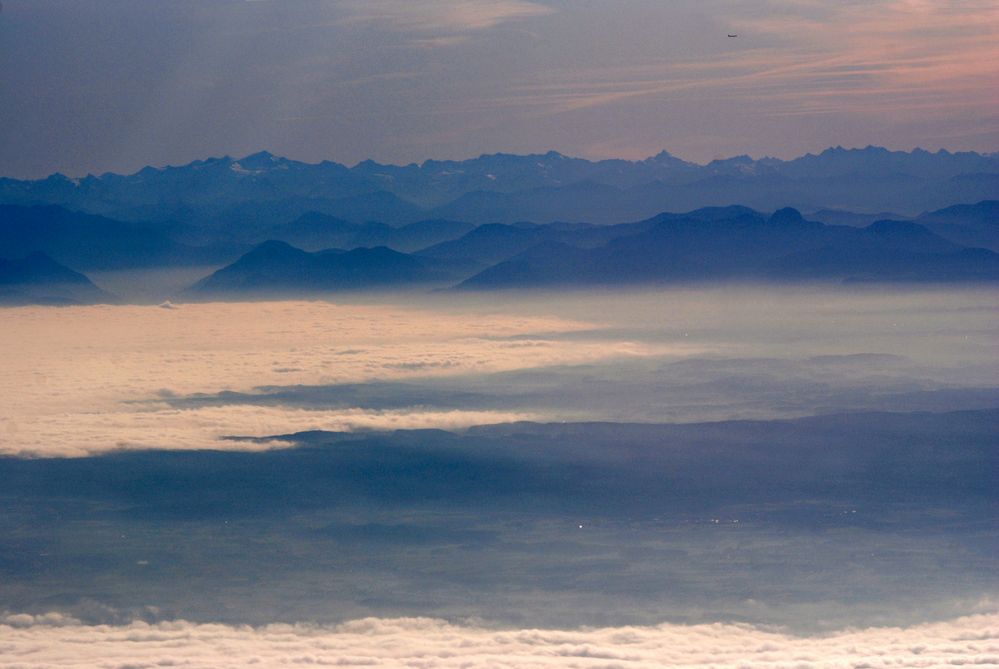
[
  {"x": 461, "y": 220},
  {"x": 94, "y": 242},
  {"x": 709, "y": 244},
  {"x": 901, "y": 235},
  {"x": 277, "y": 267},
  {"x": 677, "y": 248},
  {"x": 262, "y": 190},
  {"x": 38, "y": 279},
  {"x": 493, "y": 242},
  {"x": 967, "y": 224},
  {"x": 745, "y": 246}
]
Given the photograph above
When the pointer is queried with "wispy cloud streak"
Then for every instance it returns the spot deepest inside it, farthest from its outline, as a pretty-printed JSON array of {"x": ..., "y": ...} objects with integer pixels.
[
  {"x": 860, "y": 58},
  {"x": 441, "y": 22}
]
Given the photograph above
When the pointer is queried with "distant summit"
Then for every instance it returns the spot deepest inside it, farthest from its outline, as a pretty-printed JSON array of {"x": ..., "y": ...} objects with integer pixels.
[{"x": 787, "y": 216}]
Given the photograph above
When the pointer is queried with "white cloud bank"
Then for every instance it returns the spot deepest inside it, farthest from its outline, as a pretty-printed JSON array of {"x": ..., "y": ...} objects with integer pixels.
[
  {"x": 34, "y": 642},
  {"x": 72, "y": 375}
]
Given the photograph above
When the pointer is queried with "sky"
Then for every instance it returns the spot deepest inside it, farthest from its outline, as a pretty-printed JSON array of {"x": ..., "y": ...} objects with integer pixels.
[{"x": 113, "y": 85}]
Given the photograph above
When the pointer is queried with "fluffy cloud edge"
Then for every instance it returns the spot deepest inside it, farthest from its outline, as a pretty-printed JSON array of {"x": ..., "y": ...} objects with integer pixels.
[{"x": 54, "y": 640}]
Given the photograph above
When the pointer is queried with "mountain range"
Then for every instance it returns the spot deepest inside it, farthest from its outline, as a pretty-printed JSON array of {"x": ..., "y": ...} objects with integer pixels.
[
  {"x": 740, "y": 244},
  {"x": 712, "y": 244},
  {"x": 269, "y": 225},
  {"x": 237, "y": 199}
]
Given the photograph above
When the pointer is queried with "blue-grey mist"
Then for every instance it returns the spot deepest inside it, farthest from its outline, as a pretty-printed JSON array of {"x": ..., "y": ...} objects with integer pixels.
[{"x": 812, "y": 457}]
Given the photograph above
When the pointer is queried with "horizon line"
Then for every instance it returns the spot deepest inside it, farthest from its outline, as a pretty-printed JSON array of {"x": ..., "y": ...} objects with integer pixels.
[{"x": 667, "y": 153}]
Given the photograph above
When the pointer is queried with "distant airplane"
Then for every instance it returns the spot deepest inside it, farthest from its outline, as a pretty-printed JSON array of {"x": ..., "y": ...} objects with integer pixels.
[{"x": 733, "y": 35}]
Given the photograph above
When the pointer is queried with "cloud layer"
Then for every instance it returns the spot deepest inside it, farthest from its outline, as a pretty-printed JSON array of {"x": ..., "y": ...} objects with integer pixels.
[
  {"x": 34, "y": 642},
  {"x": 87, "y": 378},
  {"x": 102, "y": 378}
]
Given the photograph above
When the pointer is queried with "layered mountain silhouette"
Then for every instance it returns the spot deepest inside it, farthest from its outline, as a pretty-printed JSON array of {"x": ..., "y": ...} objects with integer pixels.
[
  {"x": 967, "y": 224},
  {"x": 744, "y": 245},
  {"x": 498, "y": 221},
  {"x": 276, "y": 267},
  {"x": 86, "y": 241},
  {"x": 38, "y": 279},
  {"x": 259, "y": 191},
  {"x": 712, "y": 244}
]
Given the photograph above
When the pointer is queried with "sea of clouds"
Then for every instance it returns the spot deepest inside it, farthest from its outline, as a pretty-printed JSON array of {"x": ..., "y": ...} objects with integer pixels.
[
  {"x": 86, "y": 380},
  {"x": 49, "y": 641}
]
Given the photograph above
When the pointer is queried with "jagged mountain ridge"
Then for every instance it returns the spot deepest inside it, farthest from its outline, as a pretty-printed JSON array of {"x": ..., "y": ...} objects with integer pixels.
[{"x": 508, "y": 188}]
